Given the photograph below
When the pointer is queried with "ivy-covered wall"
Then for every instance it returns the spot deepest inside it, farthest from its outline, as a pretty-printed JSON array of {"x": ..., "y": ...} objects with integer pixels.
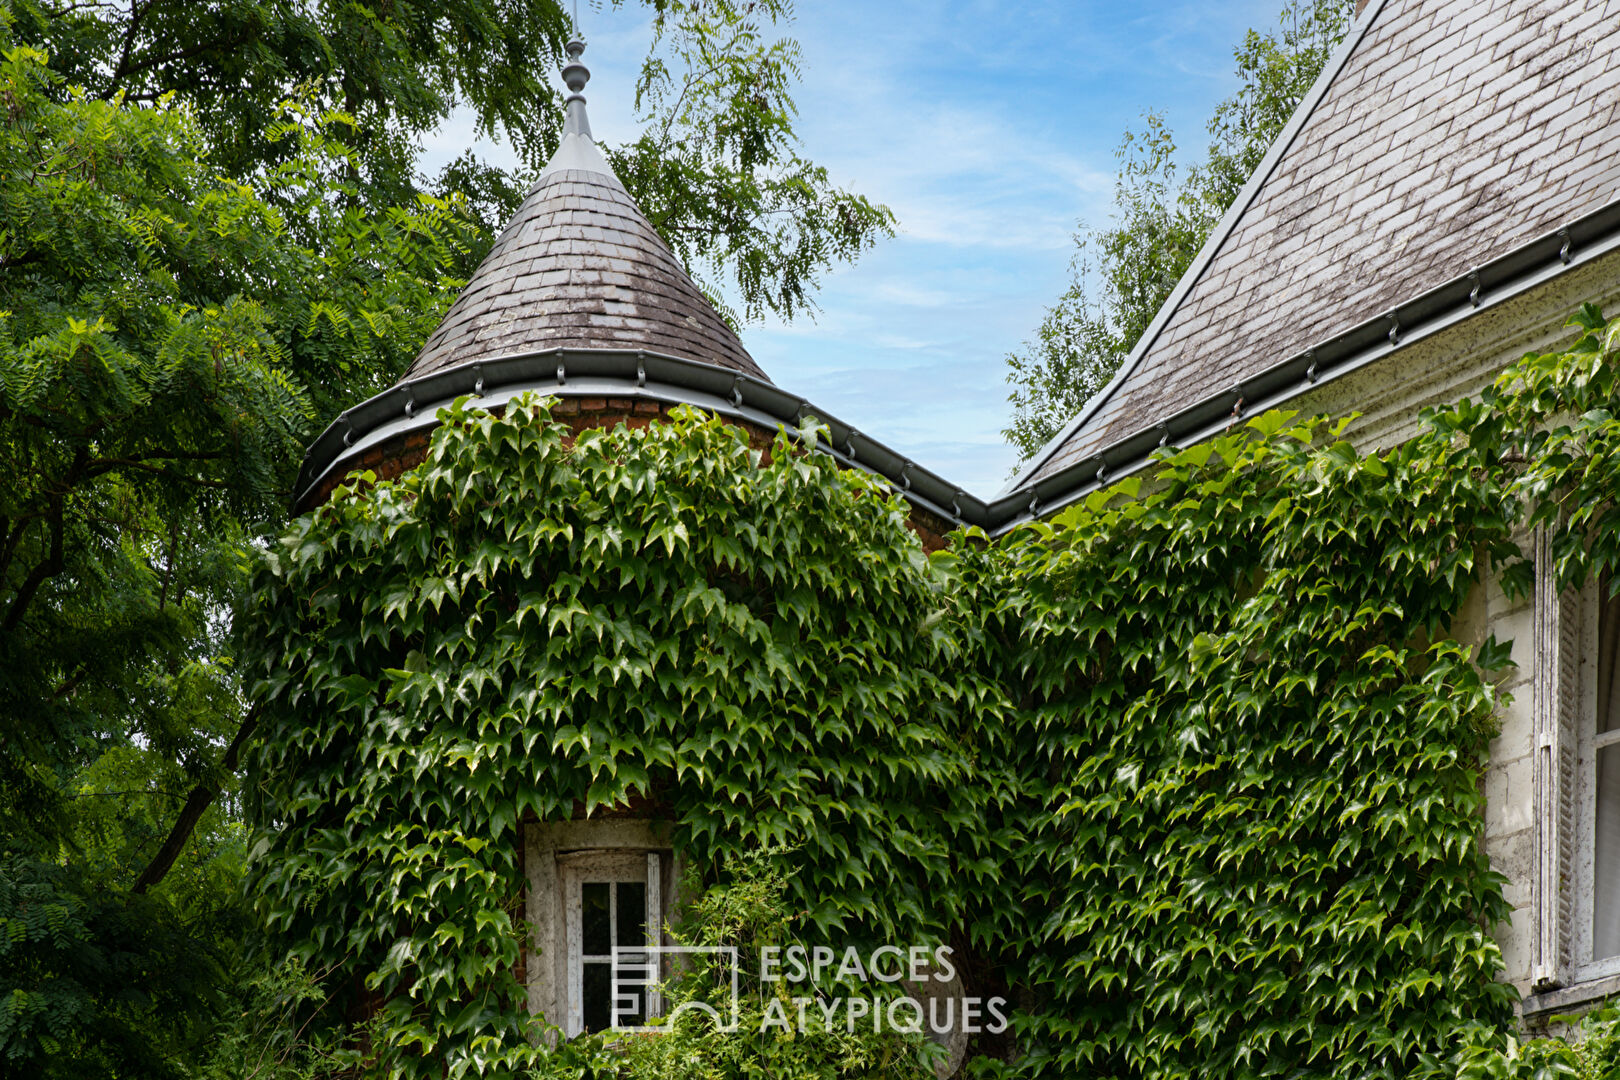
[{"x": 1192, "y": 771}]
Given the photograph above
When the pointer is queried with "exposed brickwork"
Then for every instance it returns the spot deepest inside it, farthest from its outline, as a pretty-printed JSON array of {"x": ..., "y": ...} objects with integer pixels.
[
  {"x": 1457, "y": 130},
  {"x": 580, "y": 267}
]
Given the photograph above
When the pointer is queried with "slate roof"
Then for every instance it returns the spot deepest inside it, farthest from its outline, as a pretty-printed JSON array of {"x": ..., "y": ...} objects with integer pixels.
[
  {"x": 580, "y": 266},
  {"x": 1454, "y": 131}
]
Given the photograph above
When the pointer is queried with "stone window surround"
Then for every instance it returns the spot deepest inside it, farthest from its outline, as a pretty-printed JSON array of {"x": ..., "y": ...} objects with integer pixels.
[{"x": 545, "y": 905}]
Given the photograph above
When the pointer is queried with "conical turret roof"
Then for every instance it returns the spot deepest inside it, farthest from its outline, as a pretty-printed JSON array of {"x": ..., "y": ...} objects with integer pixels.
[{"x": 580, "y": 266}]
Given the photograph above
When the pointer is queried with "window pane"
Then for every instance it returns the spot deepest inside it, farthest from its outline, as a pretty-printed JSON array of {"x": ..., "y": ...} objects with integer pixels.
[
  {"x": 632, "y": 914},
  {"x": 1608, "y": 668},
  {"x": 593, "y": 914},
  {"x": 595, "y": 988},
  {"x": 1606, "y": 860}
]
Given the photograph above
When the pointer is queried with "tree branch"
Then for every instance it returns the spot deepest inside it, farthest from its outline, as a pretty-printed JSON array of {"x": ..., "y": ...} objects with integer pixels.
[
  {"x": 43, "y": 571},
  {"x": 183, "y": 54},
  {"x": 199, "y": 800}
]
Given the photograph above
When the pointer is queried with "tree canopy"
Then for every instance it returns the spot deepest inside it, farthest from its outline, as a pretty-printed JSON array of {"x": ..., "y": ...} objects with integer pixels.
[{"x": 1122, "y": 274}]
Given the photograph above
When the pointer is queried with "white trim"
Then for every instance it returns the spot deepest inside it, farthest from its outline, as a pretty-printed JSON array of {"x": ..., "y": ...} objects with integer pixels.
[
  {"x": 1556, "y": 708},
  {"x": 1206, "y": 254},
  {"x": 601, "y": 866},
  {"x": 1566, "y": 741},
  {"x": 1583, "y": 967},
  {"x": 655, "y": 929}
]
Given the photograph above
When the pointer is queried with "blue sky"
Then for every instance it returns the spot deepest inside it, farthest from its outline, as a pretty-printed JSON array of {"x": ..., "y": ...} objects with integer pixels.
[{"x": 990, "y": 130}]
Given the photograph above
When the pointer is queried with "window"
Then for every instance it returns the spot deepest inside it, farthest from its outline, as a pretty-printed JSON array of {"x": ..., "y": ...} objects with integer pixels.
[
  {"x": 605, "y": 897},
  {"x": 1600, "y": 788},
  {"x": 599, "y": 894},
  {"x": 1577, "y": 782}
]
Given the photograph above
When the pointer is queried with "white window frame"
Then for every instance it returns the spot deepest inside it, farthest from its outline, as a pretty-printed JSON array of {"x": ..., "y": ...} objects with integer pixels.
[
  {"x": 552, "y": 852},
  {"x": 1566, "y": 744},
  {"x": 615, "y": 866},
  {"x": 1582, "y": 967}
]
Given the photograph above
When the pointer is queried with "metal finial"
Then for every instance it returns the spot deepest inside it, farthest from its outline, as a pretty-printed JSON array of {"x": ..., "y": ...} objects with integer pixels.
[{"x": 575, "y": 74}]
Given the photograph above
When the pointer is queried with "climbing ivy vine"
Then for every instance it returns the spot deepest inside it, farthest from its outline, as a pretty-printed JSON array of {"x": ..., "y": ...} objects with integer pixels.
[
  {"x": 531, "y": 625},
  {"x": 1190, "y": 772}
]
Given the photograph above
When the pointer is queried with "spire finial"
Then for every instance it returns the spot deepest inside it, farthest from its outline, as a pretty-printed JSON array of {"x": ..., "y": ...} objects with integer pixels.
[{"x": 575, "y": 76}]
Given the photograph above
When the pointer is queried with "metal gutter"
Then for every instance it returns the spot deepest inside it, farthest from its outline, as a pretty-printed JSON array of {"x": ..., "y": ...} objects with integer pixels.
[
  {"x": 1240, "y": 206},
  {"x": 413, "y": 404},
  {"x": 1584, "y": 240}
]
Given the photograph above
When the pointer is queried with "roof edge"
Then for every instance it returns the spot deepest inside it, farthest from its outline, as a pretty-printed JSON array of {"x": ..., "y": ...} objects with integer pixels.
[
  {"x": 1583, "y": 240},
  {"x": 413, "y": 405},
  {"x": 1217, "y": 238}
]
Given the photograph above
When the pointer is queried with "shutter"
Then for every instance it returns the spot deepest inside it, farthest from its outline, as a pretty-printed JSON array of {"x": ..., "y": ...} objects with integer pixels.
[{"x": 1557, "y": 708}]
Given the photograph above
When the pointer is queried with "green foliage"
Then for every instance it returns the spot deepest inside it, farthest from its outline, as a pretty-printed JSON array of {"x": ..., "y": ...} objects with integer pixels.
[
  {"x": 211, "y": 239},
  {"x": 1250, "y": 765},
  {"x": 717, "y": 167},
  {"x": 161, "y": 325},
  {"x": 1121, "y": 275},
  {"x": 1194, "y": 769},
  {"x": 271, "y": 1033},
  {"x": 397, "y": 68},
  {"x": 1590, "y": 1051},
  {"x": 528, "y": 624}
]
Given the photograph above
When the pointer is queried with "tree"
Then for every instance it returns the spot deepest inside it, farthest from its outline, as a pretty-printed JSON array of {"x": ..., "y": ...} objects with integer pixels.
[
  {"x": 717, "y": 166},
  {"x": 1121, "y": 275},
  {"x": 717, "y": 169},
  {"x": 161, "y": 324}
]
